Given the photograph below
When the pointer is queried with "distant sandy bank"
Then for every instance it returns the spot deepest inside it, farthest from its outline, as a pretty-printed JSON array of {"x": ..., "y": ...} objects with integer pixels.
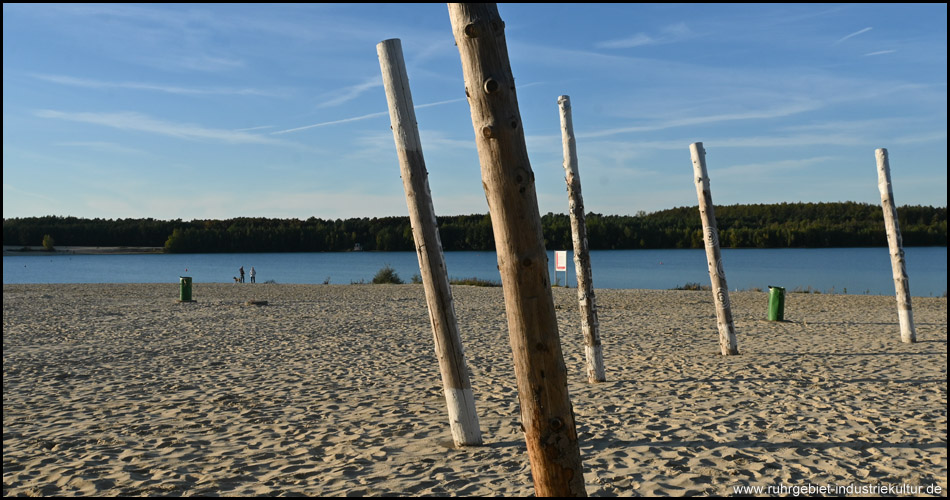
[{"x": 10, "y": 250}]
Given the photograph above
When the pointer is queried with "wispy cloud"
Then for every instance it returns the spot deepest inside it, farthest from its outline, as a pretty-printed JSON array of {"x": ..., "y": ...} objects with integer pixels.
[
  {"x": 763, "y": 141},
  {"x": 363, "y": 117},
  {"x": 352, "y": 92},
  {"x": 880, "y": 53},
  {"x": 670, "y": 34},
  {"x": 922, "y": 138},
  {"x": 334, "y": 122},
  {"x": 253, "y": 128},
  {"x": 771, "y": 168},
  {"x": 108, "y": 147},
  {"x": 791, "y": 109},
  {"x": 11, "y": 189},
  {"x": 856, "y": 33},
  {"x": 142, "y": 123},
  {"x": 173, "y": 39},
  {"x": 203, "y": 62},
  {"x": 98, "y": 84},
  {"x": 439, "y": 103}
]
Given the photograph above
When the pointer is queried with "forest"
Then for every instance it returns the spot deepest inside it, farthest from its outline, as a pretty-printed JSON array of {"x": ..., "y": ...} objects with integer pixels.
[{"x": 785, "y": 225}]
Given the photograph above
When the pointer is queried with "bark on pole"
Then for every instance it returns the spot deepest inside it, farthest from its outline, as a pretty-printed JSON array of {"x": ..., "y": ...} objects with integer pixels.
[
  {"x": 585, "y": 288},
  {"x": 463, "y": 418},
  {"x": 724, "y": 322},
  {"x": 904, "y": 311},
  {"x": 546, "y": 413}
]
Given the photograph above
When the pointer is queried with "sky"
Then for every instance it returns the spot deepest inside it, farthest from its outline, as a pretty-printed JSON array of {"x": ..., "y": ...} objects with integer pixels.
[{"x": 218, "y": 111}]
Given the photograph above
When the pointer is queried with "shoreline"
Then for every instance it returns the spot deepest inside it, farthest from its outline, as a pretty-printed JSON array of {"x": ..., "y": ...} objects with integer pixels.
[
  {"x": 334, "y": 390},
  {"x": 9, "y": 250},
  {"x": 30, "y": 249},
  {"x": 471, "y": 282},
  {"x": 864, "y": 271}
]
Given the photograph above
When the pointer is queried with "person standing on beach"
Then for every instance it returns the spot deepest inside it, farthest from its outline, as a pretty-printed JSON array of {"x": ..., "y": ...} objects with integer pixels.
[
  {"x": 253, "y": 274},
  {"x": 242, "y": 273}
]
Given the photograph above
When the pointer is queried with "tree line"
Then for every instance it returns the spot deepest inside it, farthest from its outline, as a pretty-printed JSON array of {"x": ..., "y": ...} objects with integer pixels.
[{"x": 785, "y": 225}]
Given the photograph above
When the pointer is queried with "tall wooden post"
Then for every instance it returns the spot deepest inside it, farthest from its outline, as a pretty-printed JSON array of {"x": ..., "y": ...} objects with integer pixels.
[
  {"x": 904, "y": 311},
  {"x": 546, "y": 413},
  {"x": 585, "y": 287},
  {"x": 727, "y": 329},
  {"x": 463, "y": 419}
]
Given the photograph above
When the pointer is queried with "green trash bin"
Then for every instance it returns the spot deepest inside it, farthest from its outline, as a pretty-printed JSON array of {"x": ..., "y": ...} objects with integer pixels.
[
  {"x": 185, "y": 292},
  {"x": 776, "y": 303}
]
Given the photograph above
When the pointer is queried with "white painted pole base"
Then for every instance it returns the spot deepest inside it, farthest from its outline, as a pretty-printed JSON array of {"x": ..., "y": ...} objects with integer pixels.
[
  {"x": 595, "y": 364},
  {"x": 463, "y": 420},
  {"x": 908, "y": 332}
]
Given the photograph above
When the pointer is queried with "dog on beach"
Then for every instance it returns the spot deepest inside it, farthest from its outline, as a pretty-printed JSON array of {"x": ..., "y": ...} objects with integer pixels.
[{"x": 236, "y": 279}]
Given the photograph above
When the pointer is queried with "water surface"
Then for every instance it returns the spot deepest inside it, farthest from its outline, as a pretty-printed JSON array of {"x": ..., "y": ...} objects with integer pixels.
[{"x": 828, "y": 270}]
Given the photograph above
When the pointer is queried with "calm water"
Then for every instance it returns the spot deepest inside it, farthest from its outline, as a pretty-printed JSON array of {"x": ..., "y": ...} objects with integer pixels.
[{"x": 838, "y": 270}]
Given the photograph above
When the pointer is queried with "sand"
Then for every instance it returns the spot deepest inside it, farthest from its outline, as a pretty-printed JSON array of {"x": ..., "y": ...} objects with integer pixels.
[{"x": 334, "y": 390}]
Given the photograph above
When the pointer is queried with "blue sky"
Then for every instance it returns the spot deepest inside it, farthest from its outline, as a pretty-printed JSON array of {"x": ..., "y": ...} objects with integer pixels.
[{"x": 217, "y": 111}]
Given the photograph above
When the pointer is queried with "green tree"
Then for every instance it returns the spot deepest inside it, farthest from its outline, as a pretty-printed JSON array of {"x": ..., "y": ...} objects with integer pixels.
[{"x": 48, "y": 243}]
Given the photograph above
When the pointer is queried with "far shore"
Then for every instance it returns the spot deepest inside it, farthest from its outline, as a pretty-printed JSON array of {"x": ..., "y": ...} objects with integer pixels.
[{"x": 74, "y": 250}]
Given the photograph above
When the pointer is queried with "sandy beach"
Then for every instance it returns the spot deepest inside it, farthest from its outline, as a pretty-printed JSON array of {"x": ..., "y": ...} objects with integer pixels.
[{"x": 334, "y": 390}]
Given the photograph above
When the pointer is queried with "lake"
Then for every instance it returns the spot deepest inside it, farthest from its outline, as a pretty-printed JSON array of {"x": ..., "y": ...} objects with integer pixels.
[{"x": 828, "y": 270}]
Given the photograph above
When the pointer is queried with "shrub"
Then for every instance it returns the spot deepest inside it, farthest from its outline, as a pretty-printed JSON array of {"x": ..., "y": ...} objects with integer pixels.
[
  {"x": 387, "y": 275},
  {"x": 48, "y": 243},
  {"x": 693, "y": 286},
  {"x": 474, "y": 282}
]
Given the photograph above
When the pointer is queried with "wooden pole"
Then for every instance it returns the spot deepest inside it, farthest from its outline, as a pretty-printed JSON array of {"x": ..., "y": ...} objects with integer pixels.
[
  {"x": 463, "y": 419},
  {"x": 727, "y": 329},
  {"x": 585, "y": 287},
  {"x": 546, "y": 413},
  {"x": 904, "y": 311}
]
